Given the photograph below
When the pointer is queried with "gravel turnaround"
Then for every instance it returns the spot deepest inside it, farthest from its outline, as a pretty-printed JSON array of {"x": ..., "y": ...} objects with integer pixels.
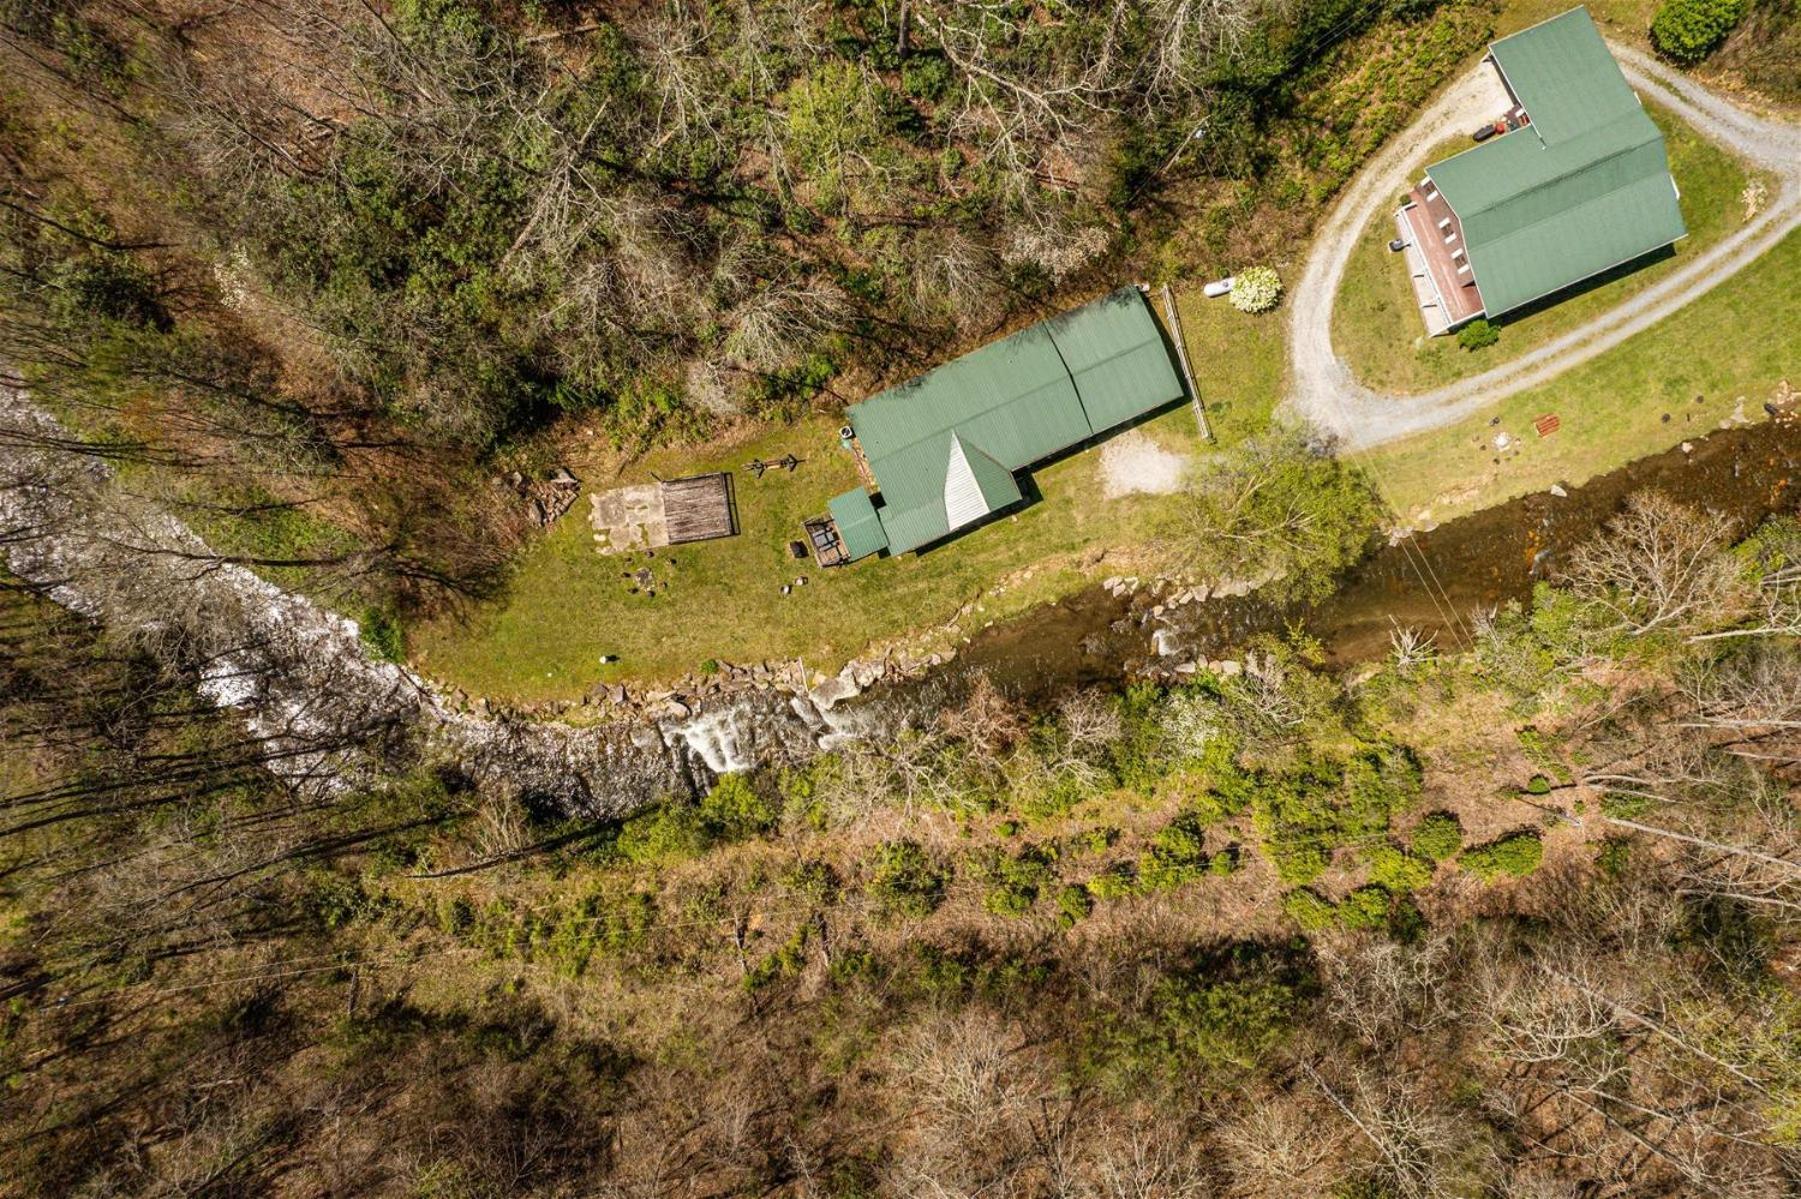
[{"x": 1323, "y": 390}]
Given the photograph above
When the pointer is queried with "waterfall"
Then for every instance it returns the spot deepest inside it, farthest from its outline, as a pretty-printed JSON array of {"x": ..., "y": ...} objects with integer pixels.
[{"x": 717, "y": 738}]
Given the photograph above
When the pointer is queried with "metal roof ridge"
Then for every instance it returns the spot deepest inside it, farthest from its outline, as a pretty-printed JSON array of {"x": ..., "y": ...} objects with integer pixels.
[
  {"x": 1577, "y": 207},
  {"x": 1582, "y": 167}
]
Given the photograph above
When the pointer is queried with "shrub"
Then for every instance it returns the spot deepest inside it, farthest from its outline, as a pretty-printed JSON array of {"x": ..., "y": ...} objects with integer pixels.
[
  {"x": 382, "y": 632},
  {"x": 1226, "y": 1024},
  {"x": 1302, "y": 816},
  {"x": 1624, "y": 805},
  {"x": 906, "y": 880},
  {"x": 1175, "y": 857},
  {"x": 1256, "y": 289},
  {"x": 1115, "y": 882},
  {"x": 1306, "y": 908},
  {"x": 926, "y": 76},
  {"x": 1612, "y": 857},
  {"x": 814, "y": 879},
  {"x": 1405, "y": 920},
  {"x": 799, "y": 789},
  {"x": 1099, "y": 840},
  {"x": 1517, "y": 854},
  {"x": 1399, "y": 871},
  {"x": 457, "y": 916},
  {"x": 1540, "y": 752},
  {"x": 1015, "y": 880},
  {"x": 1538, "y": 784},
  {"x": 1687, "y": 31},
  {"x": 1299, "y": 863},
  {"x": 1438, "y": 836},
  {"x": 1365, "y": 908},
  {"x": 1073, "y": 905},
  {"x": 568, "y": 938},
  {"x": 110, "y": 288},
  {"x": 785, "y": 962},
  {"x": 734, "y": 808},
  {"x": 666, "y": 833},
  {"x": 1478, "y": 335}
]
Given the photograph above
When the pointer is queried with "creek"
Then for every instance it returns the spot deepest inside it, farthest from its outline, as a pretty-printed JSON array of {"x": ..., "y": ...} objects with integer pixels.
[{"x": 1430, "y": 581}]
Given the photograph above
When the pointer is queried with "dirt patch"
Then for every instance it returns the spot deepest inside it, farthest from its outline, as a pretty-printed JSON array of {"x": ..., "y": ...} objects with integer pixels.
[{"x": 1133, "y": 463}]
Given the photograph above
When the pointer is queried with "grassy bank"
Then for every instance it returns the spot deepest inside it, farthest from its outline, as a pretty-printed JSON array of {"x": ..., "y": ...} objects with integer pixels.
[
  {"x": 567, "y": 606},
  {"x": 1376, "y": 325},
  {"x": 1677, "y": 380}
]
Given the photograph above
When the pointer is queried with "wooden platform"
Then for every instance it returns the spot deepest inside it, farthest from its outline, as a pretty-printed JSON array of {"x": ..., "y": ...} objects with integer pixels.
[
  {"x": 828, "y": 547},
  {"x": 699, "y": 508},
  {"x": 650, "y": 515},
  {"x": 1438, "y": 235}
]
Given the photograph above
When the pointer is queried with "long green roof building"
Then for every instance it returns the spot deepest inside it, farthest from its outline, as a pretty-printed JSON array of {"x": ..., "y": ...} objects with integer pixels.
[
  {"x": 944, "y": 447},
  {"x": 1577, "y": 184}
]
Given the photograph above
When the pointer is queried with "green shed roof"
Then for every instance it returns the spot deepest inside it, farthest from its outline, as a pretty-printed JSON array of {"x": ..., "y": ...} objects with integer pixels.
[
  {"x": 1583, "y": 187},
  {"x": 944, "y": 446},
  {"x": 858, "y": 525}
]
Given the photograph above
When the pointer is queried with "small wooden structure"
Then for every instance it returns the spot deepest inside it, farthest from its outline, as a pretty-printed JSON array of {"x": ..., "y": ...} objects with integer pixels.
[
  {"x": 699, "y": 508},
  {"x": 1547, "y": 424},
  {"x": 646, "y": 516},
  {"x": 828, "y": 547}
]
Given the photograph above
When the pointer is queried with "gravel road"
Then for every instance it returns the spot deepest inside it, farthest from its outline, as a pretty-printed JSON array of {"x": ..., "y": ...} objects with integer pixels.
[{"x": 1323, "y": 389}]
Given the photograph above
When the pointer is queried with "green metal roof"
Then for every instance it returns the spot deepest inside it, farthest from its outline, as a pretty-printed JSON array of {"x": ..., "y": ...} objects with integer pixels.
[
  {"x": 1115, "y": 354},
  {"x": 1013, "y": 396},
  {"x": 1583, "y": 187},
  {"x": 944, "y": 446},
  {"x": 1564, "y": 75},
  {"x": 858, "y": 525},
  {"x": 931, "y": 474}
]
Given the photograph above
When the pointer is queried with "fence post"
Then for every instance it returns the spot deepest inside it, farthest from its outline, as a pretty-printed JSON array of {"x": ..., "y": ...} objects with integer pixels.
[{"x": 1175, "y": 329}]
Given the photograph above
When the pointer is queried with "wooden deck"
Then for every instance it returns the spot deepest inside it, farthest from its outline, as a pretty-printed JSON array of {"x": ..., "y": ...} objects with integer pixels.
[
  {"x": 699, "y": 508},
  {"x": 1435, "y": 230},
  {"x": 828, "y": 547}
]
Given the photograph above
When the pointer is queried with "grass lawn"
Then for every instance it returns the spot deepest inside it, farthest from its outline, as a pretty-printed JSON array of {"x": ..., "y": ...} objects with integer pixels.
[
  {"x": 1376, "y": 325},
  {"x": 566, "y": 605},
  {"x": 1736, "y": 342},
  {"x": 1625, "y": 20}
]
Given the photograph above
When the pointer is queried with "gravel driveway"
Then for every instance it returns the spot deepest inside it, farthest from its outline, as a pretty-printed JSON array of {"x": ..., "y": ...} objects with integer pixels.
[{"x": 1323, "y": 389}]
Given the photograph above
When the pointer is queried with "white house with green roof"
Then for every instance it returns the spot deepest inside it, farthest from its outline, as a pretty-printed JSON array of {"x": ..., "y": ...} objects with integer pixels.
[
  {"x": 943, "y": 448},
  {"x": 1574, "y": 183}
]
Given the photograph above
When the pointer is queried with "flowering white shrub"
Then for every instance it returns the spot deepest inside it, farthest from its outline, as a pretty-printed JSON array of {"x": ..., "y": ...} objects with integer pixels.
[{"x": 1256, "y": 289}]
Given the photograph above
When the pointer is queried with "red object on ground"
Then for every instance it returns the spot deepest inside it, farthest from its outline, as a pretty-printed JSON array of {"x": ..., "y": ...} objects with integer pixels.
[{"x": 1546, "y": 424}]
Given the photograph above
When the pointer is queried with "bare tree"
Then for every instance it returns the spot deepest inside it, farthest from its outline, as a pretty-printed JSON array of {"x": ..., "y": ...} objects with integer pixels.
[
  {"x": 1659, "y": 566},
  {"x": 1282, "y": 1146},
  {"x": 1412, "y": 1142}
]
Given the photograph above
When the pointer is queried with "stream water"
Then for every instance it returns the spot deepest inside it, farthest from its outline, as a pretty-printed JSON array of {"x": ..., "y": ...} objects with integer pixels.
[
  {"x": 1431, "y": 581},
  {"x": 299, "y": 677}
]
